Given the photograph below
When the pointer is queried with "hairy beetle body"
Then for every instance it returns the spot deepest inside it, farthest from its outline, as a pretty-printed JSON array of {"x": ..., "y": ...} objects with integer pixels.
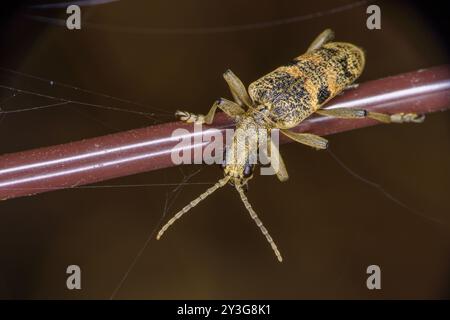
[
  {"x": 295, "y": 91},
  {"x": 281, "y": 100}
]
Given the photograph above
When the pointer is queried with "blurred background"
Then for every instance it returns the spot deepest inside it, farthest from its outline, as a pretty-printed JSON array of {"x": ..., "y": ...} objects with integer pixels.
[{"x": 171, "y": 55}]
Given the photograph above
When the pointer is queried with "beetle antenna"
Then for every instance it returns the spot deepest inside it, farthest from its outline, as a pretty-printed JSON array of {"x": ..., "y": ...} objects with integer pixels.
[
  {"x": 259, "y": 222},
  {"x": 192, "y": 204}
]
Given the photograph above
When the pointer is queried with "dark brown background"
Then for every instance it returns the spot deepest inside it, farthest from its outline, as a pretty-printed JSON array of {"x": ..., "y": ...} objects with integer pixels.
[{"x": 329, "y": 226}]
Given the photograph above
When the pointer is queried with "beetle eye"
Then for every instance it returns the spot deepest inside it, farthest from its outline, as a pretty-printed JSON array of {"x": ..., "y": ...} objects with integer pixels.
[{"x": 248, "y": 170}]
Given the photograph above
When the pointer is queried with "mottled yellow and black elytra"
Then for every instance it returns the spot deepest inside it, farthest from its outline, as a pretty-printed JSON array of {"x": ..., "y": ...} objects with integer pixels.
[
  {"x": 295, "y": 91},
  {"x": 281, "y": 100}
]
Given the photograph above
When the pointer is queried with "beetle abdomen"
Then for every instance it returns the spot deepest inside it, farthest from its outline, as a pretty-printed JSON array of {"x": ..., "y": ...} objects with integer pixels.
[{"x": 294, "y": 91}]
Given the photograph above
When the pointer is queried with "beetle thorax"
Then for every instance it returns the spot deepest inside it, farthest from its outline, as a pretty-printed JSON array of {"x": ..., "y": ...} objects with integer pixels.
[{"x": 242, "y": 152}]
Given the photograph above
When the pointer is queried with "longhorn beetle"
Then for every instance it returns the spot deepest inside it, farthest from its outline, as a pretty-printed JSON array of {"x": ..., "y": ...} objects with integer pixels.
[{"x": 281, "y": 100}]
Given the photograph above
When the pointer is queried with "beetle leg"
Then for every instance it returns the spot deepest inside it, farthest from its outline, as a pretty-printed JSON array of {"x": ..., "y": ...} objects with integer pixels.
[
  {"x": 397, "y": 117},
  {"x": 278, "y": 166},
  {"x": 352, "y": 86},
  {"x": 347, "y": 113},
  {"x": 349, "y": 87},
  {"x": 326, "y": 36},
  {"x": 237, "y": 89},
  {"x": 231, "y": 108},
  {"x": 309, "y": 139}
]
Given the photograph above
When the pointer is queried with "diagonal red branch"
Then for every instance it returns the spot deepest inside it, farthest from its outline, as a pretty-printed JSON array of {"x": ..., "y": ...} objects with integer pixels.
[{"x": 130, "y": 152}]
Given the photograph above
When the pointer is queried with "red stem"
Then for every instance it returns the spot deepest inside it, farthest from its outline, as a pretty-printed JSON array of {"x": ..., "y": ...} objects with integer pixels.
[{"x": 139, "y": 150}]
